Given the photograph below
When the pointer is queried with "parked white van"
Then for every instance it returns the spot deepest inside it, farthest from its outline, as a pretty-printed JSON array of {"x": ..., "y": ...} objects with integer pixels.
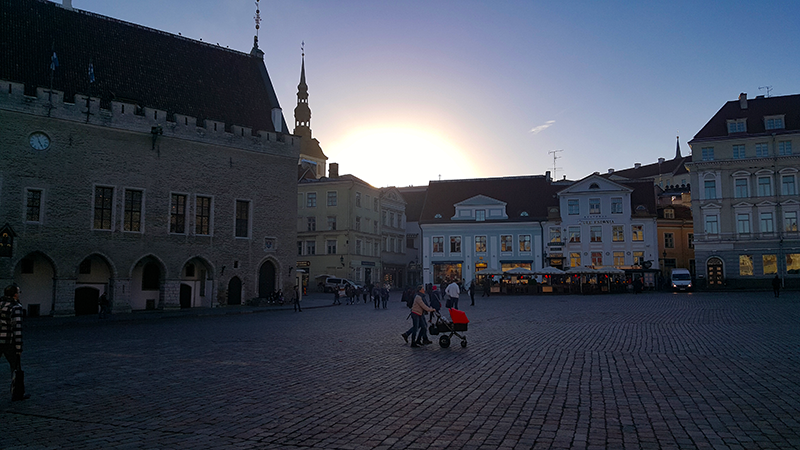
[{"x": 680, "y": 280}]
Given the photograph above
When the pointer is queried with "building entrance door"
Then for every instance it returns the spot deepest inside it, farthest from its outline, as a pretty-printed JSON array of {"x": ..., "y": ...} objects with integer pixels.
[{"x": 715, "y": 273}]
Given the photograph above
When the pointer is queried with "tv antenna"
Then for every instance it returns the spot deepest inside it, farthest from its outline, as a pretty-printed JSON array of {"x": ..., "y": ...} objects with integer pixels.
[
  {"x": 555, "y": 157},
  {"x": 766, "y": 88}
]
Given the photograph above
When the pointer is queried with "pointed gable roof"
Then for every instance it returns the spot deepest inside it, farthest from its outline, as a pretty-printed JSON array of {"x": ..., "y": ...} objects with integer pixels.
[
  {"x": 134, "y": 64},
  {"x": 755, "y": 111}
]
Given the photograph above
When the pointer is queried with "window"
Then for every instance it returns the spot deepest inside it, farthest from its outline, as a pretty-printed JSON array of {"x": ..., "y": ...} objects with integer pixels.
[
  {"x": 638, "y": 258},
  {"x": 385, "y": 216},
  {"x": 770, "y": 264},
  {"x": 480, "y": 215},
  {"x": 618, "y": 233},
  {"x": 594, "y": 206},
  {"x": 743, "y": 223},
  {"x": 555, "y": 234},
  {"x": 710, "y": 189},
  {"x": 690, "y": 239},
  {"x": 790, "y": 221},
  {"x": 738, "y": 152},
  {"x": 455, "y": 244},
  {"x": 793, "y": 263},
  {"x": 480, "y": 244},
  {"x": 506, "y": 243},
  {"x": 785, "y": 148},
  {"x": 242, "y": 218},
  {"x": 438, "y": 244},
  {"x": 202, "y": 216},
  {"x": 669, "y": 213},
  {"x": 333, "y": 200},
  {"x": 311, "y": 247},
  {"x": 787, "y": 185},
  {"x": 708, "y": 153},
  {"x": 524, "y": 242},
  {"x": 358, "y": 247},
  {"x": 312, "y": 224},
  {"x": 375, "y": 226},
  {"x": 358, "y": 223},
  {"x": 773, "y": 123},
  {"x": 766, "y": 222},
  {"x": 331, "y": 244},
  {"x": 574, "y": 259},
  {"x": 745, "y": 265},
  {"x": 133, "y": 211},
  {"x": 375, "y": 203},
  {"x": 619, "y": 259},
  {"x": 597, "y": 259},
  {"x": 103, "y": 201},
  {"x": 85, "y": 267},
  {"x": 574, "y": 234},
  {"x": 177, "y": 219},
  {"x": 762, "y": 150},
  {"x": 573, "y": 207},
  {"x": 299, "y": 248},
  {"x": 764, "y": 186},
  {"x": 596, "y": 233},
  {"x": 669, "y": 240},
  {"x": 331, "y": 223},
  {"x": 311, "y": 200},
  {"x": 375, "y": 248},
  {"x": 740, "y": 188},
  {"x": 637, "y": 232},
  {"x": 33, "y": 205},
  {"x": 712, "y": 225},
  {"x": 737, "y": 126},
  {"x": 616, "y": 206},
  {"x": 358, "y": 199}
]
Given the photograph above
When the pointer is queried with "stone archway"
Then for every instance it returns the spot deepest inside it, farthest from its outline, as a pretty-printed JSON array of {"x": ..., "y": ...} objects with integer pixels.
[
  {"x": 34, "y": 274},
  {"x": 715, "y": 271},
  {"x": 94, "y": 278},
  {"x": 235, "y": 291},
  {"x": 266, "y": 279},
  {"x": 86, "y": 301},
  {"x": 147, "y": 284},
  {"x": 196, "y": 275}
]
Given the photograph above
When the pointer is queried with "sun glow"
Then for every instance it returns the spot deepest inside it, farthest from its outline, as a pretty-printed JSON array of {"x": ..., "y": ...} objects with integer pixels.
[{"x": 399, "y": 156}]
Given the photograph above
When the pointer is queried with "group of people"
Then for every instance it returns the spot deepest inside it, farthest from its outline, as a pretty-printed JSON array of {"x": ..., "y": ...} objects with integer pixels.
[
  {"x": 378, "y": 294},
  {"x": 428, "y": 299}
]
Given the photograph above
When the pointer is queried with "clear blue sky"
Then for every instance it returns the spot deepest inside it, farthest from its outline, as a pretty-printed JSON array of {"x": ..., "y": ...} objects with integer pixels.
[{"x": 409, "y": 91}]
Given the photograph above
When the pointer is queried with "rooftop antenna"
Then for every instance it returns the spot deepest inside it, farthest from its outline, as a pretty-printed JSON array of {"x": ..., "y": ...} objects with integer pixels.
[
  {"x": 766, "y": 88},
  {"x": 257, "y": 18},
  {"x": 555, "y": 157}
]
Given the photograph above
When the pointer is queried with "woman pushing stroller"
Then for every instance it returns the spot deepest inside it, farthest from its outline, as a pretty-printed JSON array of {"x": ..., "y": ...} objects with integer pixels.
[{"x": 419, "y": 334}]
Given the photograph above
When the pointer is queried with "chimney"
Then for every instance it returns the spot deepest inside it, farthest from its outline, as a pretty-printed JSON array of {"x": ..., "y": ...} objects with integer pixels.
[
  {"x": 547, "y": 176},
  {"x": 333, "y": 170},
  {"x": 743, "y": 100},
  {"x": 67, "y": 4},
  {"x": 637, "y": 165},
  {"x": 661, "y": 160},
  {"x": 611, "y": 170}
]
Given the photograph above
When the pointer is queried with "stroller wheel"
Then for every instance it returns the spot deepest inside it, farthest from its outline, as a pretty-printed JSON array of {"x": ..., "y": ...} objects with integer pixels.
[
  {"x": 463, "y": 343},
  {"x": 444, "y": 341}
]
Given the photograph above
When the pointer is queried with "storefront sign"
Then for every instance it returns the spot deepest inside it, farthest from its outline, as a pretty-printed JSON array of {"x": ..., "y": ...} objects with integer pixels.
[
  {"x": 368, "y": 263},
  {"x": 303, "y": 263}
]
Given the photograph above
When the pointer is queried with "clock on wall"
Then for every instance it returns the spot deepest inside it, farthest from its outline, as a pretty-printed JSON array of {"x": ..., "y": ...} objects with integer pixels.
[{"x": 39, "y": 141}]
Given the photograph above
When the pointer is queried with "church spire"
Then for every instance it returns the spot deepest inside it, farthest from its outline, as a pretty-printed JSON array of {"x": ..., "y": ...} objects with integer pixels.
[
  {"x": 302, "y": 113},
  {"x": 678, "y": 147}
]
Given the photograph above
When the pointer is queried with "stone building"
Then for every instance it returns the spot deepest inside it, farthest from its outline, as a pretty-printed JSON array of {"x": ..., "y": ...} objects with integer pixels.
[
  {"x": 745, "y": 203},
  {"x": 393, "y": 233},
  {"x": 140, "y": 164}
]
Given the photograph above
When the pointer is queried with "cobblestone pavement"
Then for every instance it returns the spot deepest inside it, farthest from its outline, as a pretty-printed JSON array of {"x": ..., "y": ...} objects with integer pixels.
[{"x": 652, "y": 371}]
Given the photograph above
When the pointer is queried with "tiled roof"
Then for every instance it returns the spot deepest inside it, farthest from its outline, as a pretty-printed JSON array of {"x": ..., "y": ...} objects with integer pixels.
[
  {"x": 133, "y": 64},
  {"x": 757, "y": 108},
  {"x": 673, "y": 166},
  {"x": 415, "y": 199},
  {"x": 531, "y": 194},
  {"x": 644, "y": 193}
]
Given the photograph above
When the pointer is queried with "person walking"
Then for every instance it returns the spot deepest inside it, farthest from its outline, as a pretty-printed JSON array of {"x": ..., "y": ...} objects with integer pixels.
[
  {"x": 472, "y": 292},
  {"x": 776, "y": 286},
  {"x": 296, "y": 299},
  {"x": 385, "y": 296},
  {"x": 453, "y": 291},
  {"x": 11, "y": 338},
  {"x": 419, "y": 336},
  {"x": 104, "y": 306},
  {"x": 487, "y": 287}
]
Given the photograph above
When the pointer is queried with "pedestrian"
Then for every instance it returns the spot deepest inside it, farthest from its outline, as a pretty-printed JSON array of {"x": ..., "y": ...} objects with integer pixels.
[
  {"x": 376, "y": 296},
  {"x": 435, "y": 299},
  {"x": 104, "y": 306},
  {"x": 472, "y": 292},
  {"x": 419, "y": 335},
  {"x": 487, "y": 287},
  {"x": 385, "y": 296},
  {"x": 637, "y": 285},
  {"x": 296, "y": 299},
  {"x": 336, "y": 296},
  {"x": 342, "y": 293},
  {"x": 11, "y": 339},
  {"x": 453, "y": 291},
  {"x": 776, "y": 286}
]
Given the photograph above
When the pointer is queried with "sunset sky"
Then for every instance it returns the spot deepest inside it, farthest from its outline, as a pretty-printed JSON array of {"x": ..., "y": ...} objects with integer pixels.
[{"x": 408, "y": 91}]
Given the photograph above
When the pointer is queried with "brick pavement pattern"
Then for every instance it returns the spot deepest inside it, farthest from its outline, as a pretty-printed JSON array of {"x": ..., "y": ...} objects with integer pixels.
[{"x": 650, "y": 371}]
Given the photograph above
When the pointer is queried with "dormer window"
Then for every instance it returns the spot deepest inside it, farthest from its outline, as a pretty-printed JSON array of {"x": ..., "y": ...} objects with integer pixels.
[
  {"x": 480, "y": 215},
  {"x": 594, "y": 186},
  {"x": 774, "y": 122},
  {"x": 523, "y": 214},
  {"x": 669, "y": 213},
  {"x": 437, "y": 216},
  {"x": 737, "y": 126}
]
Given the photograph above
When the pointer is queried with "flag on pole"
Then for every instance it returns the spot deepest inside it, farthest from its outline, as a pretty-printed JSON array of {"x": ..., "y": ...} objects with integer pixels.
[
  {"x": 53, "y": 61},
  {"x": 91, "y": 73}
]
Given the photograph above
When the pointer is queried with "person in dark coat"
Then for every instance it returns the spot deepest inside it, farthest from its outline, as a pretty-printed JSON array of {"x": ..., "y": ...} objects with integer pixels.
[
  {"x": 472, "y": 292},
  {"x": 776, "y": 286},
  {"x": 11, "y": 313}
]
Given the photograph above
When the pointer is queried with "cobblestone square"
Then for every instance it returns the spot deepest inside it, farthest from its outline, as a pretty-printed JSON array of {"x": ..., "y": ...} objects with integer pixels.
[{"x": 655, "y": 371}]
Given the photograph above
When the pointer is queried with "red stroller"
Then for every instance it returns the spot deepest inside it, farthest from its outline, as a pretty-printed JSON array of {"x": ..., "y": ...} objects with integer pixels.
[{"x": 449, "y": 329}]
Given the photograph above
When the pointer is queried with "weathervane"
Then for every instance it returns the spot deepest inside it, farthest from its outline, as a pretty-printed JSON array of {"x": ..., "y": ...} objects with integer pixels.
[{"x": 257, "y": 18}]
